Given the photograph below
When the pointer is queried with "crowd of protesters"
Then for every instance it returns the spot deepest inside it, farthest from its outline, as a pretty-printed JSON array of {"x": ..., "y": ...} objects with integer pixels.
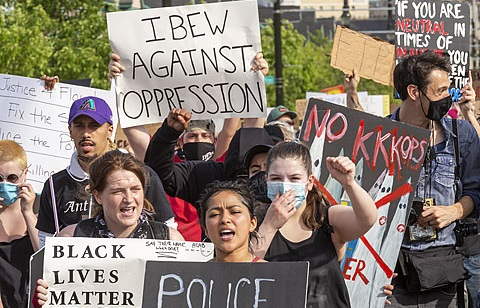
[{"x": 250, "y": 191}]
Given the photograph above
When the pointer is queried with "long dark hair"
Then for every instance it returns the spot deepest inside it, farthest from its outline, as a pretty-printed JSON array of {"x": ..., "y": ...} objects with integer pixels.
[
  {"x": 315, "y": 211},
  {"x": 239, "y": 187}
]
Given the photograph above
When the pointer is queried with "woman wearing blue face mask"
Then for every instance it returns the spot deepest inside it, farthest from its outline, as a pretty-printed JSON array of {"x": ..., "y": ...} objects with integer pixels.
[
  {"x": 301, "y": 226},
  {"x": 18, "y": 236}
]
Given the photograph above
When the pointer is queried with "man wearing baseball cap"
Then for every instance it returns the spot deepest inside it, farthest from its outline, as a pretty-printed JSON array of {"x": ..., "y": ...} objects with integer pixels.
[
  {"x": 197, "y": 143},
  {"x": 281, "y": 113},
  {"x": 198, "y": 140},
  {"x": 90, "y": 124}
]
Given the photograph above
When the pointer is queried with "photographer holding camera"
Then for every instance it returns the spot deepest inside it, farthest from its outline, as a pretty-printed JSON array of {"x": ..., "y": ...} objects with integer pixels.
[{"x": 429, "y": 267}]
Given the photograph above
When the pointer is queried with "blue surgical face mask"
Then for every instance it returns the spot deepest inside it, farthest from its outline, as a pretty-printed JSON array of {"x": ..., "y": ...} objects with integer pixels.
[
  {"x": 9, "y": 193},
  {"x": 282, "y": 187}
]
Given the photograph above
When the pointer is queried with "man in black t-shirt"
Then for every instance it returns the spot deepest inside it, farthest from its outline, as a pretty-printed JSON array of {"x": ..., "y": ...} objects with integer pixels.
[{"x": 91, "y": 127}]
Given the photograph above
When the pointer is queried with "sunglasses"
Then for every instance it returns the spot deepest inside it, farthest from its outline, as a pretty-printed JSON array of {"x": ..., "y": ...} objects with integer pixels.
[{"x": 12, "y": 178}]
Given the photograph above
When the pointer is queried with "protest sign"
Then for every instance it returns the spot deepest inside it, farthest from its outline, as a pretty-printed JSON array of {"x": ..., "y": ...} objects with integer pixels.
[
  {"x": 105, "y": 272},
  {"x": 373, "y": 58},
  {"x": 37, "y": 119},
  {"x": 300, "y": 107},
  {"x": 196, "y": 57},
  {"x": 388, "y": 156},
  {"x": 374, "y": 104},
  {"x": 220, "y": 284},
  {"x": 441, "y": 26}
]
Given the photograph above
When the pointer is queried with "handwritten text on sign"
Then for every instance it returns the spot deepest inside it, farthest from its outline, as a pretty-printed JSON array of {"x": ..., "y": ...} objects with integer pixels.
[
  {"x": 388, "y": 156},
  {"x": 197, "y": 57},
  {"x": 96, "y": 272},
  {"x": 443, "y": 27},
  {"x": 38, "y": 120},
  {"x": 225, "y": 284}
]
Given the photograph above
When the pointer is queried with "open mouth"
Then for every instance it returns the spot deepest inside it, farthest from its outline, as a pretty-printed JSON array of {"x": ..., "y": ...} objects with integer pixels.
[
  {"x": 227, "y": 235},
  {"x": 127, "y": 210}
]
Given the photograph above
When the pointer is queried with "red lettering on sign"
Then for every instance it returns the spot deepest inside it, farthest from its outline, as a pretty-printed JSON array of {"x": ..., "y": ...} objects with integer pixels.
[{"x": 358, "y": 270}]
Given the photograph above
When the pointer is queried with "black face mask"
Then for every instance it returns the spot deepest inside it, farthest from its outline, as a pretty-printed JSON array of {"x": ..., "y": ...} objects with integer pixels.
[
  {"x": 258, "y": 185},
  {"x": 198, "y": 150},
  {"x": 438, "y": 109}
]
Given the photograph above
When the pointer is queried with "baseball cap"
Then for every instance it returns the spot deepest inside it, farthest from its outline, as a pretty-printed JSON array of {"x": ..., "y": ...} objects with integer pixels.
[
  {"x": 254, "y": 150},
  {"x": 279, "y": 111},
  {"x": 244, "y": 139},
  {"x": 93, "y": 107},
  {"x": 207, "y": 125}
]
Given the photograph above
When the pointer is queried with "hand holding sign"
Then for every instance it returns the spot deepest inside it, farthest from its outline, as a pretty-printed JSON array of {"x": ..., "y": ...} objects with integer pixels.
[
  {"x": 467, "y": 98},
  {"x": 260, "y": 64},
  {"x": 50, "y": 81},
  {"x": 115, "y": 68},
  {"x": 40, "y": 296}
]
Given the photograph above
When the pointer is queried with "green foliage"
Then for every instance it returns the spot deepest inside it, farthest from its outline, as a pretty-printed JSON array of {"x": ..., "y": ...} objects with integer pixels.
[
  {"x": 306, "y": 65},
  {"x": 69, "y": 38},
  {"x": 66, "y": 38},
  {"x": 25, "y": 48}
]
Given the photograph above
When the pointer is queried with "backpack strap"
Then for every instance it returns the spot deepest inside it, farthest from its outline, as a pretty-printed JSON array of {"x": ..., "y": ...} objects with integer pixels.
[
  {"x": 85, "y": 228},
  {"x": 159, "y": 230},
  {"x": 54, "y": 205},
  {"x": 456, "y": 154}
]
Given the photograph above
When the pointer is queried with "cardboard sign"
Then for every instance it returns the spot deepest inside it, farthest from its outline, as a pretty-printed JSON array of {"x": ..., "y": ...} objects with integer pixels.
[
  {"x": 37, "y": 119},
  {"x": 388, "y": 156},
  {"x": 196, "y": 57},
  {"x": 374, "y": 59},
  {"x": 443, "y": 27},
  {"x": 106, "y": 272},
  {"x": 217, "y": 284}
]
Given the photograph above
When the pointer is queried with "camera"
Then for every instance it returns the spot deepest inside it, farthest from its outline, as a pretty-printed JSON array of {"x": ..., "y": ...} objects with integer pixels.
[
  {"x": 415, "y": 210},
  {"x": 418, "y": 233},
  {"x": 465, "y": 227}
]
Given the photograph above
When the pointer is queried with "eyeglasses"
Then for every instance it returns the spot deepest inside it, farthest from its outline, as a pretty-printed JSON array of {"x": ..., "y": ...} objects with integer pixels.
[{"x": 12, "y": 178}]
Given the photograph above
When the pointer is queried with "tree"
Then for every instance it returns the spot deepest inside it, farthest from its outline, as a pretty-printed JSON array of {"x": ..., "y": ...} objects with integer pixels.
[
  {"x": 306, "y": 65},
  {"x": 69, "y": 38},
  {"x": 65, "y": 38},
  {"x": 26, "y": 50}
]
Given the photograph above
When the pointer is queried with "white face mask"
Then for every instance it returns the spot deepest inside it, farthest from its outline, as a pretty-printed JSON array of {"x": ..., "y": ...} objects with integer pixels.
[{"x": 282, "y": 187}]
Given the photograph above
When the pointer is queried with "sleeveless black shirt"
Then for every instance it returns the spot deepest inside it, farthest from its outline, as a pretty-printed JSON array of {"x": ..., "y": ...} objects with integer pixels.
[{"x": 326, "y": 285}]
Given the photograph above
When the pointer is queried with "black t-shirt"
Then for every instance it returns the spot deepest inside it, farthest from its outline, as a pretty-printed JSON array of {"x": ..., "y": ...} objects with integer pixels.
[
  {"x": 326, "y": 285},
  {"x": 14, "y": 269},
  {"x": 73, "y": 202}
]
